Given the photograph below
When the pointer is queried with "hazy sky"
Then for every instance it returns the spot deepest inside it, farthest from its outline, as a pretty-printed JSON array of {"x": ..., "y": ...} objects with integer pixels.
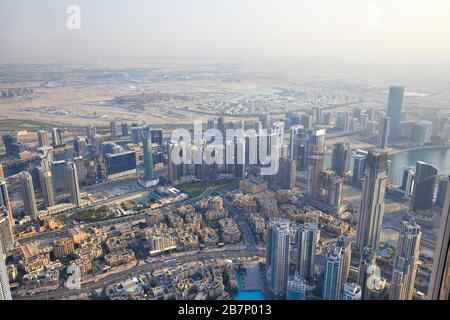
[{"x": 390, "y": 30}]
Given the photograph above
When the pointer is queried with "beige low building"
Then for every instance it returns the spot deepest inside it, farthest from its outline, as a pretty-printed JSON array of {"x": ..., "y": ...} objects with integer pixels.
[
  {"x": 119, "y": 258},
  {"x": 253, "y": 185},
  {"x": 63, "y": 247},
  {"x": 229, "y": 230}
]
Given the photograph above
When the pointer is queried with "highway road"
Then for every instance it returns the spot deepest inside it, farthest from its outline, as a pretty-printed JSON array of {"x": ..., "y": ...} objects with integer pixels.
[{"x": 166, "y": 262}]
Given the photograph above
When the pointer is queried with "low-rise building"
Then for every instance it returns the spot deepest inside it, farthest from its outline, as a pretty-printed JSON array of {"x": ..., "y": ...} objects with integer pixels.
[
  {"x": 253, "y": 185},
  {"x": 208, "y": 237},
  {"x": 85, "y": 265},
  {"x": 121, "y": 257},
  {"x": 63, "y": 247},
  {"x": 30, "y": 264},
  {"x": 229, "y": 230}
]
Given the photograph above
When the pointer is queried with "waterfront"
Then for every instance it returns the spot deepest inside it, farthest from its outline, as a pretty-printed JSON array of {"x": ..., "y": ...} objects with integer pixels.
[{"x": 438, "y": 157}]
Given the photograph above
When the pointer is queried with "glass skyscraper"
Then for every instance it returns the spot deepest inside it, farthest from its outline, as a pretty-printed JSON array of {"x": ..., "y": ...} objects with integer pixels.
[
  {"x": 5, "y": 292},
  {"x": 333, "y": 274},
  {"x": 439, "y": 288},
  {"x": 148, "y": 157},
  {"x": 29, "y": 199},
  {"x": 394, "y": 110},
  {"x": 424, "y": 185},
  {"x": 307, "y": 237},
  {"x": 371, "y": 210},
  {"x": 277, "y": 256}
]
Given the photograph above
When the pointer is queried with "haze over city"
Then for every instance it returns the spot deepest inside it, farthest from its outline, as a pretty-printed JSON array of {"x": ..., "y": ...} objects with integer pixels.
[
  {"x": 231, "y": 150},
  {"x": 352, "y": 30}
]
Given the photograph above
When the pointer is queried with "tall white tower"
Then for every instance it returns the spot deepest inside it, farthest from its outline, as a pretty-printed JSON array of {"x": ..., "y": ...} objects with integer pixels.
[
  {"x": 406, "y": 262},
  {"x": 371, "y": 210}
]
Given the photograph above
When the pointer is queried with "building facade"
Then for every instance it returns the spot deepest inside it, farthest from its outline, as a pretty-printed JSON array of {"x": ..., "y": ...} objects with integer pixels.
[
  {"x": 439, "y": 287},
  {"x": 371, "y": 210}
]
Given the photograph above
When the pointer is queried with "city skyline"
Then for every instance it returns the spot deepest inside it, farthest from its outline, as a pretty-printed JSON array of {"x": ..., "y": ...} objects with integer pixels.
[{"x": 215, "y": 150}]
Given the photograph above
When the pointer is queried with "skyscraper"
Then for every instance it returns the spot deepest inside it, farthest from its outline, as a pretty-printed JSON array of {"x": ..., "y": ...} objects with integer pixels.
[
  {"x": 316, "y": 148},
  {"x": 12, "y": 145},
  {"x": 4, "y": 203},
  {"x": 371, "y": 210},
  {"x": 6, "y": 237},
  {"x": 421, "y": 132},
  {"x": 81, "y": 169},
  {"x": 299, "y": 142},
  {"x": 175, "y": 171},
  {"x": 383, "y": 133},
  {"x": 315, "y": 166},
  {"x": 340, "y": 160},
  {"x": 442, "y": 189},
  {"x": 307, "y": 237},
  {"x": 424, "y": 185},
  {"x": 46, "y": 155},
  {"x": 43, "y": 138},
  {"x": 29, "y": 200},
  {"x": 367, "y": 278},
  {"x": 286, "y": 176},
  {"x": 278, "y": 128},
  {"x": 318, "y": 114},
  {"x": 316, "y": 138},
  {"x": 359, "y": 166},
  {"x": 408, "y": 181},
  {"x": 334, "y": 189},
  {"x": 239, "y": 157},
  {"x": 91, "y": 130},
  {"x": 46, "y": 181},
  {"x": 296, "y": 288},
  {"x": 346, "y": 246},
  {"x": 277, "y": 256},
  {"x": 113, "y": 129},
  {"x": 230, "y": 156},
  {"x": 405, "y": 263},
  {"x": 125, "y": 131},
  {"x": 210, "y": 124},
  {"x": 74, "y": 187},
  {"x": 59, "y": 173},
  {"x": 2, "y": 173},
  {"x": 157, "y": 136},
  {"x": 264, "y": 118},
  {"x": 222, "y": 126},
  {"x": 80, "y": 146},
  {"x": 136, "y": 133},
  {"x": 342, "y": 121},
  {"x": 148, "y": 179},
  {"x": 394, "y": 110},
  {"x": 306, "y": 121},
  {"x": 56, "y": 137},
  {"x": 333, "y": 274},
  {"x": 295, "y": 140},
  {"x": 439, "y": 287},
  {"x": 5, "y": 292},
  {"x": 148, "y": 159}
]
